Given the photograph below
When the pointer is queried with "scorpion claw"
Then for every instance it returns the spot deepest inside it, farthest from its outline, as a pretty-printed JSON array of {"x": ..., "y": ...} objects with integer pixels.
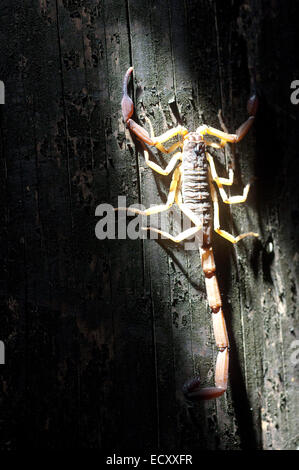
[
  {"x": 127, "y": 107},
  {"x": 252, "y": 105}
]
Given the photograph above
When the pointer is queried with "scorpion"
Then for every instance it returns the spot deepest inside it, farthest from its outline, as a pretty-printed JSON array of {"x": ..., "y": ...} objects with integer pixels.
[{"x": 192, "y": 189}]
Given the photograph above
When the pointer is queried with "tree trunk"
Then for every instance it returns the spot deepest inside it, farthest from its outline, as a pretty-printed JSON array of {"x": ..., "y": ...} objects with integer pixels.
[{"x": 101, "y": 335}]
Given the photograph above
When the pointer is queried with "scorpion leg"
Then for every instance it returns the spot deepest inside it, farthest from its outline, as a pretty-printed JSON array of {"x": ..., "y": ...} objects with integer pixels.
[
  {"x": 217, "y": 228},
  {"x": 214, "y": 144},
  {"x": 174, "y": 159},
  {"x": 233, "y": 199},
  {"x": 179, "y": 130},
  {"x": 225, "y": 181},
  {"x": 142, "y": 134},
  {"x": 228, "y": 182},
  {"x": 161, "y": 207},
  {"x": 179, "y": 238},
  {"x": 186, "y": 233}
]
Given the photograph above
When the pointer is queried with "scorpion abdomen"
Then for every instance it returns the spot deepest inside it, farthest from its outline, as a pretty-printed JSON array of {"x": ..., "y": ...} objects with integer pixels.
[{"x": 195, "y": 183}]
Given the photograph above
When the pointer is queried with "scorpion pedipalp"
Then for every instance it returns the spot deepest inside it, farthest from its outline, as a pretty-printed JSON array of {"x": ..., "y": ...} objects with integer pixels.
[
  {"x": 127, "y": 111},
  {"x": 139, "y": 131},
  {"x": 252, "y": 105},
  {"x": 127, "y": 105}
]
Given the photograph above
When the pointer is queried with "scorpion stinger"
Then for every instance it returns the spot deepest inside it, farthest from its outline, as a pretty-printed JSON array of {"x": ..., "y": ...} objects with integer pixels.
[{"x": 192, "y": 189}]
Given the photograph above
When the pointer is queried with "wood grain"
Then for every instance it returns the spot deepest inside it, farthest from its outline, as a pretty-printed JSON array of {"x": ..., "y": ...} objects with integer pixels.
[{"x": 100, "y": 335}]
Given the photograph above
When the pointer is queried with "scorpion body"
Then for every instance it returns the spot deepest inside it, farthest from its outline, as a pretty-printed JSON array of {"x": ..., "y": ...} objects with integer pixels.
[
  {"x": 192, "y": 188},
  {"x": 196, "y": 194},
  {"x": 195, "y": 183}
]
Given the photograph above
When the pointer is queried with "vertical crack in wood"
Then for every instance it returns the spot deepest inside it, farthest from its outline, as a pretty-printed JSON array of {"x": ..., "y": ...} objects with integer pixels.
[{"x": 65, "y": 121}]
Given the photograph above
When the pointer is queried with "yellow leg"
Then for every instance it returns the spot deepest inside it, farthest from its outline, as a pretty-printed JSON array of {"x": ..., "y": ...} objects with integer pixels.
[
  {"x": 171, "y": 149},
  {"x": 228, "y": 182},
  {"x": 178, "y": 130},
  {"x": 151, "y": 127},
  {"x": 214, "y": 144},
  {"x": 179, "y": 238},
  {"x": 217, "y": 228},
  {"x": 225, "y": 181},
  {"x": 158, "y": 141},
  {"x": 176, "y": 157},
  {"x": 161, "y": 207},
  {"x": 233, "y": 199},
  {"x": 187, "y": 233}
]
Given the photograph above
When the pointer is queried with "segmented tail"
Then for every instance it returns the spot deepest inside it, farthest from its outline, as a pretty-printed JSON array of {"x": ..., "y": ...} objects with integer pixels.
[{"x": 192, "y": 388}]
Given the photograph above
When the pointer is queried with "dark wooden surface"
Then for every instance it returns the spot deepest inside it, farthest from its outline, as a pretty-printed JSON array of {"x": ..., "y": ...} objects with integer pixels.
[{"x": 100, "y": 335}]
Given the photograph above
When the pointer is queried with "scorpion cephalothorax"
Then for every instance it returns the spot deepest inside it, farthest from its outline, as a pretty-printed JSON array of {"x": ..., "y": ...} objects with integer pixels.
[{"x": 193, "y": 190}]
